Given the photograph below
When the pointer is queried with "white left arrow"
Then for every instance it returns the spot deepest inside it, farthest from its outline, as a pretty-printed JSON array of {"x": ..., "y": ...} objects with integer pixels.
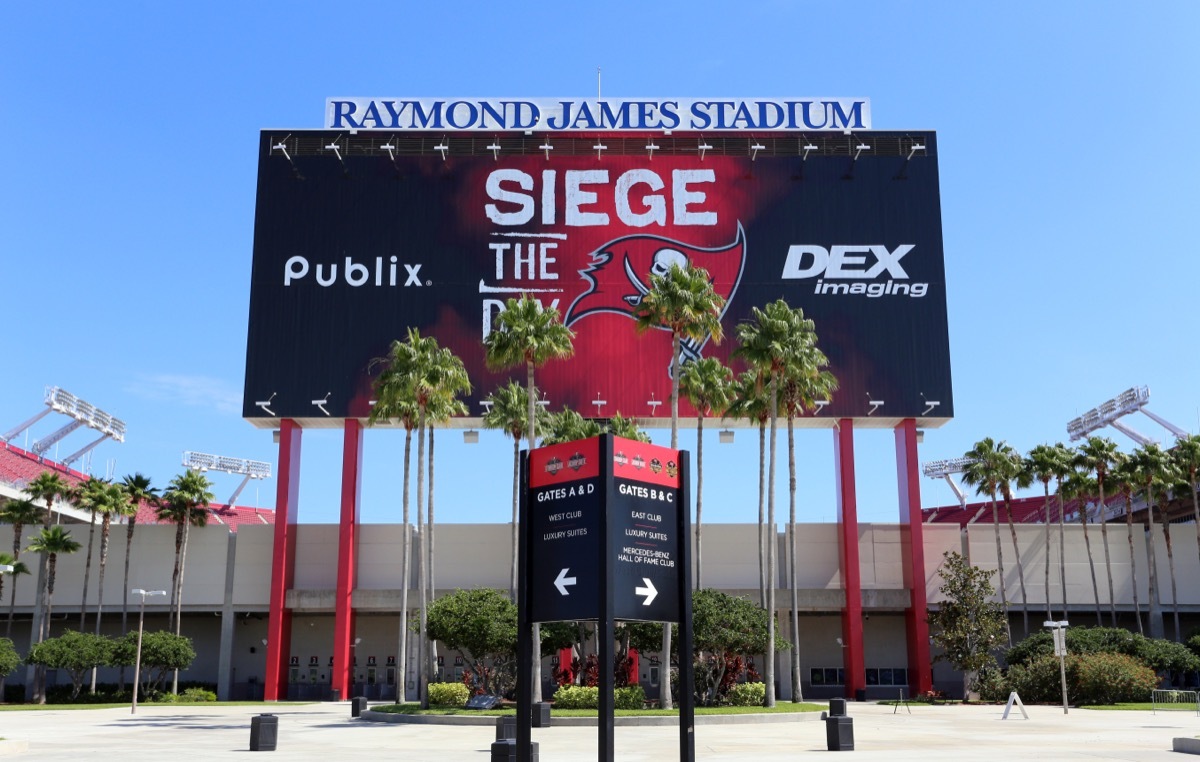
[
  {"x": 562, "y": 580},
  {"x": 649, "y": 591}
]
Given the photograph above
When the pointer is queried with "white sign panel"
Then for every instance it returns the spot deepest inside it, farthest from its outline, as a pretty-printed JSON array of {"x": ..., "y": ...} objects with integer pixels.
[{"x": 581, "y": 114}]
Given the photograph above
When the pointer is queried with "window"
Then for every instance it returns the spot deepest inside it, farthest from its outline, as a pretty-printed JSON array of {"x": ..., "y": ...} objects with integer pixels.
[
  {"x": 886, "y": 677},
  {"x": 827, "y": 676}
]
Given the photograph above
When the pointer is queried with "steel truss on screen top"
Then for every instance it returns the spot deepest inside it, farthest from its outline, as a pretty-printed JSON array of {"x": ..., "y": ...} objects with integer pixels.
[{"x": 343, "y": 145}]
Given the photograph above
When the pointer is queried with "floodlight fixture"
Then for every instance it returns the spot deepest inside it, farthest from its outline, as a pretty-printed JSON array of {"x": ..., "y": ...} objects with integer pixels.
[
  {"x": 547, "y": 148},
  {"x": 653, "y": 404},
  {"x": 929, "y": 404},
  {"x": 913, "y": 149},
  {"x": 281, "y": 146},
  {"x": 250, "y": 469},
  {"x": 487, "y": 406},
  {"x": 809, "y": 148},
  {"x": 859, "y": 149},
  {"x": 82, "y": 413},
  {"x": 470, "y": 436},
  {"x": 264, "y": 403},
  {"x": 935, "y": 469},
  {"x": 337, "y": 151},
  {"x": 651, "y": 148},
  {"x": 599, "y": 403},
  {"x": 702, "y": 148},
  {"x": 754, "y": 149},
  {"x": 875, "y": 404},
  {"x": 725, "y": 436},
  {"x": 1130, "y": 401},
  {"x": 495, "y": 149},
  {"x": 442, "y": 147},
  {"x": 321, "y": 403},
  {"x": 819, "y": 405},
  {"x": 598, "y": 148}
]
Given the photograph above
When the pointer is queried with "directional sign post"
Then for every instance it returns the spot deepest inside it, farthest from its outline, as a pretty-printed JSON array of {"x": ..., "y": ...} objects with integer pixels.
[{"x": 605, "y": 523}]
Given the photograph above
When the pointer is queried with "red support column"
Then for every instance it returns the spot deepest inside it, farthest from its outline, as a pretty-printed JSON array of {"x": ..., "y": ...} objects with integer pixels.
[
  {"x": 283, "y": 561},
  {"x": 852, "y": 619},
  {"x": 920, "y": 667},
  {"x": 342, "y": 679}
]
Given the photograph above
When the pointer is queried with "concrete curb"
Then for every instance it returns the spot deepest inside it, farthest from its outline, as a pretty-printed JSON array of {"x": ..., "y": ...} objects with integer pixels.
[
  {"x": 1186, "y": 745},
  {"x": 585, "y": 722},
  {"x": 13, "y": 747}
]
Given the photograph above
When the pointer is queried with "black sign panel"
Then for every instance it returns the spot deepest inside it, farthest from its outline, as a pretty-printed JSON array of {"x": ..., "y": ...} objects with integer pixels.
[
  {"x": 564, "y": 514},
  {"x": 645, "y": 541},
  {"x": 353, "y": 247}
]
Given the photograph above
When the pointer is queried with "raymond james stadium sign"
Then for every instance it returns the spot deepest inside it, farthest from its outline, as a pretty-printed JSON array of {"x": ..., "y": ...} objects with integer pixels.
[{"x": 620, "y": 114}]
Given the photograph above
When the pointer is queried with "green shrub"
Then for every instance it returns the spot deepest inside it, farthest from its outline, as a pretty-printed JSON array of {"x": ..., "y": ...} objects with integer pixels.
[
  {"x": 629, "y": 697},
  {"x": 577, "y": 697},
  {"x": 448, "y": 694},
  {"x": 748, "y": 694},
  {"x": 197, "y": 694},
  {"x": 1037, "y": 681},
  {"x": 1112, "y": 679},
  {"x": 992, "y": 685}
]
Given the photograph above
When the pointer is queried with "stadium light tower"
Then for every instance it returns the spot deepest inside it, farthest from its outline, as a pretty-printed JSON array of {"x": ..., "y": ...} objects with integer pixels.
[
  {"x": 945, "y": 469},
  {"x": 1108, "y": 414},
  {"x": 82, "y": 414},
  {"x": 251, "y": 469}
]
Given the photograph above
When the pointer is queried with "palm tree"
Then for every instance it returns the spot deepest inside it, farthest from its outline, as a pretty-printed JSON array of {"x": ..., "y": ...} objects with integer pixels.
[
  {"x": 1187, "y": 459},
  {"x": 184, "y": 502},
  {"x": 750, "y": 402},
  {"x": 50, "y": 543},
  {"x": 567, "y": 426},
  {"x": 1123, "y": 476},
  {"x": 1079, "y": 486},
  {"x": 89, "y": 496},
  {"x": 1097, "y": 455},
  {"x": 18, "y": 568},
  {"x": 984, "y": 471},
  {"x": 111, "y": 500},
  {"x": 441, "y": 408},
  {"x": 708, "y": 385},
  {"x": 46, "y": 486},
  {"x": 1041, "y": 465},
  {"x": 1062, "y": 465},
  {"x": 136, "y": 489},
  {"x": 508, "y": 412},
  {"x": 627, "y": 428},
  {"x": 1151, "y": 465},
  {"x": 19, "y": 513},
  {"x": 804, "y": 386},
  {"x": 395, "y": 401},
  {"x": 530, "y": 335},
  {"x": 777, "y": 340}
]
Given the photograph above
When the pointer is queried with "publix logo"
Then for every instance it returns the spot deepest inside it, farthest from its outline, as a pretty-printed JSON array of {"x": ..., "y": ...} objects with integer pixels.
[{"x": 871, "y": 271}]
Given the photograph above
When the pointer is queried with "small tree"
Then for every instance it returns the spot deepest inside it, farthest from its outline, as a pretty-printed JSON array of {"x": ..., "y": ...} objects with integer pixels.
[
  {"x": 162, "y": 652},
  {"x": 76, "y": 653},
  {"x": 9, "y": 659},
  {"x": 726, "y": 630},
  {"x": 968, "y": 624},
  {"x": 482, "y": 626}
]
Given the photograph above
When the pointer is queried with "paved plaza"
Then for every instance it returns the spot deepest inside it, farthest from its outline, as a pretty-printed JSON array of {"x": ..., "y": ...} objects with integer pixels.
[{"x": 326, "y": 731}]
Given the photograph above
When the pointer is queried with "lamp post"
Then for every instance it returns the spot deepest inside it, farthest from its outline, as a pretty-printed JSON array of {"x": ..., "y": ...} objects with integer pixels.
[
  {"x": 137, "y": 661},
  {"x": 1059, "y": 631}
]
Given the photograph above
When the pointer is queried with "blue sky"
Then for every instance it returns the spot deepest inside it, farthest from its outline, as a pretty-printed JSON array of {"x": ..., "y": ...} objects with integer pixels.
[{"x": 130, "y": 133}]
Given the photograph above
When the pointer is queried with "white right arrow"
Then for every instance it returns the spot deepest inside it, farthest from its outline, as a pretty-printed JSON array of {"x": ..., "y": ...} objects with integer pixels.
[
  {"x": 562, "y": 580},
  {"x": 649, "y": 591}
]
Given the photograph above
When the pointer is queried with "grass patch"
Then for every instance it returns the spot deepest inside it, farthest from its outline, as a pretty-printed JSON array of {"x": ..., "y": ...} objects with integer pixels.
[
  {"x": 781, "y": 708},
  {"x": 125, "y": 705}
]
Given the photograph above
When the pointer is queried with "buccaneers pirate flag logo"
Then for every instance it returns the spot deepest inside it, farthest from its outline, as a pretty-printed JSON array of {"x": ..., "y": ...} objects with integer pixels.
[{"x": 618, "y": 276}]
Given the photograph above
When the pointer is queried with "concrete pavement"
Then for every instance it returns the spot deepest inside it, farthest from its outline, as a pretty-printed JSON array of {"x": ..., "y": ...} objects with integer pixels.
[{"x": 326, "y": 731}]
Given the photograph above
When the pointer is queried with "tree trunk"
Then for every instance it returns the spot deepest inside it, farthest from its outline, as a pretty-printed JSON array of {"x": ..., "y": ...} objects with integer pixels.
[
  {"x": 516, "y": 499},
  {"x": 405, "y": 578},
  {"x": 1012, "y": 530},
  {"x": 1000, "y": 566},
  {"x": 125, "y": 587},
  {"x": 762, "y": 516},
  {"x": 537, "y": 627},
  {"x": 1087, "y": 544},
  {"x": 699, "y": 496},
  {"x": 1155, "y": 595},
  {"x": 1166, "y": 526},
  {"x": 422, "y": 570},
  {"x": 1137, "y": 608},
  {"x": 797, "y": 693},
  {"x": 1112, "y": 602},
  {"x": 1062, "y": 549},
  {"x": 105, "y": 525},
  {"x": 431, "y": 573},
  {"x": 175, "y": 574},
  {"x": 665, "y": 700},
  {"x": 769, "y": 667},
  {"x": 1046, "y": 485},
  {"x": 187, "y": 528},
  {"x": 87, "y": 570},
  {"x": 12, "y": 593}
]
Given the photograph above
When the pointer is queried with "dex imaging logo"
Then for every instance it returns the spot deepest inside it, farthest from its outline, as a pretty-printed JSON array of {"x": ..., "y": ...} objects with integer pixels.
[{"x": 855, "y": 270}]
